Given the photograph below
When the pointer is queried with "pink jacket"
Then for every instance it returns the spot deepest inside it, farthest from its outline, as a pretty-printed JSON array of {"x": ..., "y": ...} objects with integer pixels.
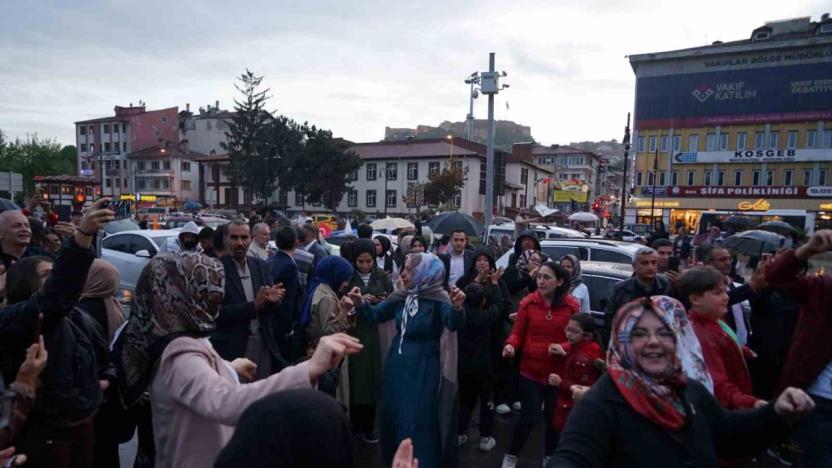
[{"x": 196, "y": 402}]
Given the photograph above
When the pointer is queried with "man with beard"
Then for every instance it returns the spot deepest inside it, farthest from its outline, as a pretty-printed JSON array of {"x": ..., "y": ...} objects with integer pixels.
[
  {"x": 249, "y": 324},
  {"x": 188, "y": 237}
]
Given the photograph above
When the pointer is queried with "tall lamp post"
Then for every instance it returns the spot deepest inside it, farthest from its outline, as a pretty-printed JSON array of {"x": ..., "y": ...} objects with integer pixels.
[
  {"x": 490, "y": 85},
  {"x": 626, "y": 142}
]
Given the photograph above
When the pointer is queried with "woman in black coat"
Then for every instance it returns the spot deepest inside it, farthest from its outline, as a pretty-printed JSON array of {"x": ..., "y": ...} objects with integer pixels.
[{"x": 654, "y": 407}]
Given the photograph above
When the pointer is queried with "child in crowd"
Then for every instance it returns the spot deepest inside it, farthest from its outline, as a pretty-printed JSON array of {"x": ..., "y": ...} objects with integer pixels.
[{"x": 582, "y": 367}]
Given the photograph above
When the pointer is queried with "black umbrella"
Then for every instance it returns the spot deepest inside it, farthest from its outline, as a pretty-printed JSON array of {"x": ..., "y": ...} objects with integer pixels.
[
  {"x": 6, "y": 205},
  {"x": 740, "y": 221},
  {"x": 780, "y": 227},
  {"x": 447, "y": 223},
  {"x": 755, "y": 242}
]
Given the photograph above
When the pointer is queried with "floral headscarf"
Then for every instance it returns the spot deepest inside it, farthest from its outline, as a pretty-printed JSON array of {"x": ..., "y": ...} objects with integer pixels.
[
  {"x": 177, "y": 294},
  {"x": 656, "y": 399}
]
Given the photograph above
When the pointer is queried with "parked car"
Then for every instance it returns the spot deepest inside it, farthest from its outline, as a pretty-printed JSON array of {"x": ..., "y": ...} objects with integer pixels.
[
  {"x": 129, "y": 251},
  {"x": 543, "y": 231},
  {"x": 594, "y": 250},
  {"x": 600, "y": 278},
  {"x": 174, "y": 222}
]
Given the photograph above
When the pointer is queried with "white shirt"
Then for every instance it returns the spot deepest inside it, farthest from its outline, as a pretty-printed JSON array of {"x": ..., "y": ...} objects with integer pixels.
[
  {"x": 457, "y": 268},
  {"x": 257, "y": 251},
  {"x": 581, "y": 294}
]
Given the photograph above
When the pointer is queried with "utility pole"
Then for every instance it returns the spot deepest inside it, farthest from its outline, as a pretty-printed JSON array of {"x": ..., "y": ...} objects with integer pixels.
[
  {"x": 490, "y": 85},
  {"x": 653, "y": 189},
  {"x": 624, "y": 181}
]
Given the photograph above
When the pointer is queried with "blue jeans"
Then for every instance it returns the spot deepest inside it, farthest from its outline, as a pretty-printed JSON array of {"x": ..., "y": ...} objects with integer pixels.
[{"x": 815, "y": 435}]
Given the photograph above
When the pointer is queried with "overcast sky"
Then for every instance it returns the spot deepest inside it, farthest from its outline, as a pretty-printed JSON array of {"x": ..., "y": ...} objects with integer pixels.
[{"x": 352, "y": 66}]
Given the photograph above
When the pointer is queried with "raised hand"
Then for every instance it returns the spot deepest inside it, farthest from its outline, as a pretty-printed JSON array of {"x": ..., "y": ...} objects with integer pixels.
[
  {"x": 482, "y": 276},
  {"x": 496, "y": 275},
  {"x": 457, "y": 298},
  {"x": 329, "y": 352},
  {"x": 346, "y": 305},
  {"x": 356, "y": 297},
  {"x": 404, "y": 456},
  {"x": 94, "y": 219},
  {"x": 33, "y": 365},
  {"x": 820, "y": 242}
]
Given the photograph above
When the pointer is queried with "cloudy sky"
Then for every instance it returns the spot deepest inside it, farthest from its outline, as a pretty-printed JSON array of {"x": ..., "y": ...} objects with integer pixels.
[{"x": 352, "y": 66}]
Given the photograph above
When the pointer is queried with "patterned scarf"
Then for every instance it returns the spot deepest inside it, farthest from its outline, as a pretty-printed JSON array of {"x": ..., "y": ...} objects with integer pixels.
[
  {"x": 177, "y": 294},
  {"x": 523, "y": 261},
  {"x": 656, "y": 398},
  {"x": 575, "y": 279}
]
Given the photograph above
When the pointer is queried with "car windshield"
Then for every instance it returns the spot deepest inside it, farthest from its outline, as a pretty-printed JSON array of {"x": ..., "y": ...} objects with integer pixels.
[{"x": 166, "y": 243}]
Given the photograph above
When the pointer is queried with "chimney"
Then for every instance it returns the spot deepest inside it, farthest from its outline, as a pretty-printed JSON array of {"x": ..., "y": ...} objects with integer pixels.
[
  {"x": 187, "y": 107},
  {"x": 217, "y": 105}
]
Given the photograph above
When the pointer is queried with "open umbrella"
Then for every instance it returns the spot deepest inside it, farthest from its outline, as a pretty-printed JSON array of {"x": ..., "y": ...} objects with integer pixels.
[
  {"x": 754, "y": 242},
  {"x": 780, "y": 227},
  {"x": 391, "y": 223},
  {"x": 447, "y": 223},
  {"x": 192, "y": 205},
  {"x": 583, "y": 217},
  {"x": 6, "y": 205},
  {"x": 739, "y": 221}
]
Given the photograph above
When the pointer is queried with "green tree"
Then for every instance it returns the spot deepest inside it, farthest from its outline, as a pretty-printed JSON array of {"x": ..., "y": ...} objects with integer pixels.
[
  {"x": 35, "y": 156},
  {"x": 322, "y": 169},
  {"x": 442, "y": 186}
]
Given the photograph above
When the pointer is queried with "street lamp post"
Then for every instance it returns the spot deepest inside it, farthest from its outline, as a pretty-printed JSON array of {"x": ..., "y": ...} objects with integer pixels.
[
  {"x": 624, "y": 180},
  {"x": 490, "y": 85}
]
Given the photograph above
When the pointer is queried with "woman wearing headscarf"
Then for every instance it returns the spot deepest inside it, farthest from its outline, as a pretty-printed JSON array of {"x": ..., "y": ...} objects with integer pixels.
[
  {"x": 418, "y": 392},
  {"x": 654, "y": 406},
  {"x": 365, "y": 368},
  {"x": 383, "y": 258},
  {"x": 196, "y": 396},
  {"x": 325, "y": 314},
  {"x": 577, "y": 288}
]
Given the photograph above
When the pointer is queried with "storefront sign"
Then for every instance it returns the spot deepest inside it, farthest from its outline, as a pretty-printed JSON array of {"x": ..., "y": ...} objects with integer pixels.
[
  {"x": 819, "y": 192},
  {"x": 759, "y": 205},
  {"x": 773, "y": 191},
  {"x": 825, "y": 206},
  {"x": 753, "y": 156},
  {"x": 569, "y": 195},
  {"x": 138, "y": 196},
  {"x": 658, "y": 204}
]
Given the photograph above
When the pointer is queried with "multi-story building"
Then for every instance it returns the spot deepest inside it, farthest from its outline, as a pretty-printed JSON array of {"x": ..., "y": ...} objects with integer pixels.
[
  {"x": 574, "y": 173},
  {"x": 168, "y": 171},
  {"x": 527, "y": 183},
  {"x": 107, "y": 141},
  {"x": 741, "y": 125},
  {"x": 388, "y": 168}
]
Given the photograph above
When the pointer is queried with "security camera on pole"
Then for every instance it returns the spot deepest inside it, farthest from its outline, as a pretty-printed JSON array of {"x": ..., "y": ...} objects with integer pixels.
[{"x": 490, "y": 85}]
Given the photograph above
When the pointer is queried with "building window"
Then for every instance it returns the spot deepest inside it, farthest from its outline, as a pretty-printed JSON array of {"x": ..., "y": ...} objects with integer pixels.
[
  {"x": 123, "y": 128},
  {"x": 652, "y": 144},
  {"x": 106, "y": 129},
  {"x": 107, "y": 147},
  {"x": 524, "y": 176},
  {"x": 677, "y": 143},
  {"x": 186, "y": 166},
  {"x": 115, "y": 148},
  {"x": 674, "y": 178},
  {"x": 412, "y": 171},
  {"x": 140, "y": 166},
  {"x": 166, "y": 165},
  {"x": 186, "y": 185},
  {"x": 662, "y": 176},
  {"x": 759, "y": 140},
  {"x": 822, "y": 178},
  {"x": 141, "y": 184},
  {"x": 457, "y": 165},
  {"x": 807, "y": 177},
  {"x": 371, "y": 172},
  {"x": 639, "y": 177},
  {"x": 651, "y": 178},
  {"x": 390, "y": 199},
  {"x": 298, "y": 199},
  {"x": 707, "y": 177},
  {"x": 791, "y": 141},
  {"x": 710, "y": 142},
  {"x": 693, "y": 143},
  {"x": 826, "y": 139},
  {"x": 154, "y": 165},
  {"x": 723, "y": 141},
  {"x": 165, "y": 183},
  {"x": 124, "y": 147},
  {"x": 788, "y": 177},
  {"x": 691, "y": 175},
  {"x": 741, "y": 137},
  {"x": 83, "y": 147},
  {"x": 433, "y": 168},
  {"x": 665, "y": 144},
  {"x": 371, "y": 198},
  {"x": 352, "y": 198},
  {"x": 84, "y": 166},
  {"x": 738, "y": 178},
  {"x": 770, "y": 177},
  {"x": 108, "y": 182},
  {"x": 773, "y": 140},
  {"x": 83, "y": 130},
  {"x": 353, "y": 175},
  {"x": 522, "y": 201},
  {"x": 92, "y": 129},
  {"x": 514, "y": 200},
  {"x": 640, "y": 144},
  {"x": 755, "y": 177},
  {"x": 124, "y": 182},
  {"x": 720, "y": 178},
  {"x": 811, "y": 138},
  {"x": 392, "y": 171}
]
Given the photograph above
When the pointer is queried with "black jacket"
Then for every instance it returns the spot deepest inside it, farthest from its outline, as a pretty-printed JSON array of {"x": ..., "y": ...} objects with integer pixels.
[
  {"x": 230, "y": 338},
  {"x": 468, "y": 260},
  {"x": 69, "y": 390},
  {"x": 604, "y": 430},
  {"x": 283, "y": 269},
  {"x": 626, "y": 291},
  {"x": 520, "y": 284},
  {"x": 475, "y": 338}
]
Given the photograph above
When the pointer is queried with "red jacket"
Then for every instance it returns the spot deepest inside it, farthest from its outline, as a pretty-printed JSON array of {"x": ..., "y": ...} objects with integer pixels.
[
  {"x": 724, "y": 358},
  {"x": 810, "y": 351},
  {"x": 533, "y": 333},
  {"x": 578, "y": 369}
]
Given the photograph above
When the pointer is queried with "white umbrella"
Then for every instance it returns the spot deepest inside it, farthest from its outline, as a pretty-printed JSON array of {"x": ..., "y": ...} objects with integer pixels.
[
  {"x": 583, "y": 217},
  {"x": 391, "y": 223}
]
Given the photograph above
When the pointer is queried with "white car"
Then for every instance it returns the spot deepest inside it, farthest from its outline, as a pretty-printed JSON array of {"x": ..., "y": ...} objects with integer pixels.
[
  {"x": 594, "y": 250},
  {"x": 129, "y": 251}
]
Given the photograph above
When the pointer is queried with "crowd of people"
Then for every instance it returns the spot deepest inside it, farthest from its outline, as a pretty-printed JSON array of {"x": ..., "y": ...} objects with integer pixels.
[{"x": 232, "y": 353}]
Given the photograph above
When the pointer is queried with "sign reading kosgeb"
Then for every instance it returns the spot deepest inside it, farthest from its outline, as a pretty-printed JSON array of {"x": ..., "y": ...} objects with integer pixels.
[{"x": 753, "y": 156}]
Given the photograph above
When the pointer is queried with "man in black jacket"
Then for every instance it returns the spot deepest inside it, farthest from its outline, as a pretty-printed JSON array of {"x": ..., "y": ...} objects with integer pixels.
[
  {"x": 59, "y": 429},
  {"x": 645, "y": 282},
  {"x": 284, "y": 270},
  {"x": 249, "y": 324},
  {"x": 458, "y": 261}
]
